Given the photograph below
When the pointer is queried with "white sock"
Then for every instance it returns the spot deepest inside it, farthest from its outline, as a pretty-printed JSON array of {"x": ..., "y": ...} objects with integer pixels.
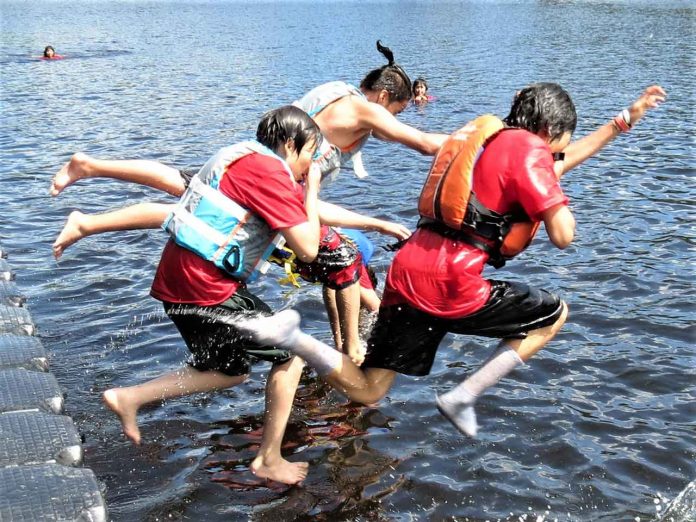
[
  {"x": 283, "y": 330},
  {"x": 320, "y": 356},
  {"x": 274, "y": 330},
  {"x": 458, "y": 403}
]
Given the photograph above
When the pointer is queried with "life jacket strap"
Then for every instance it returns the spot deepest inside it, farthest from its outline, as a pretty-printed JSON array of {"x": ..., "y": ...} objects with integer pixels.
[{"x": 469, "y": 236}]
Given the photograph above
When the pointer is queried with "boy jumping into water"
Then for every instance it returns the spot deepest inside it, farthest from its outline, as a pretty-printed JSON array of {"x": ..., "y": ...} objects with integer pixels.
[
  {"x": 435, "y": 283},
  {"x": 264, "y": 177}
]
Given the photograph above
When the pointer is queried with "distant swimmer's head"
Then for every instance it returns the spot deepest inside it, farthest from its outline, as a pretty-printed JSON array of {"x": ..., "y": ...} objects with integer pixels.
[
  {"x": 389, "y": 85},
  {"x": 420, "y": 91},
  {"x": 420, "y": 87},
  {"x": 49, "y": 52},
  {"x": 293, "y": 135},
  {"x": 547, "y": 110}
]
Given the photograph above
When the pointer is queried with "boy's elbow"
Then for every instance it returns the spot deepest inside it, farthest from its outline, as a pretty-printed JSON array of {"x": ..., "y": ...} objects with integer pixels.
[
  {"x": 564, "y": 237},
  {"x": 560, "y": 226},
  {"x": 563, "y": 242}
]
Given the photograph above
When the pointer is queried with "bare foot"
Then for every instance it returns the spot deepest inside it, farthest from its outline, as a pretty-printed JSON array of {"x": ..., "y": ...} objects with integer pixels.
[
  {"x": 116, "y": 400},
  {"x": 281, "y": 471},
  {"x": 73, "y": 231},
  {"x": 76, "y": 168}
]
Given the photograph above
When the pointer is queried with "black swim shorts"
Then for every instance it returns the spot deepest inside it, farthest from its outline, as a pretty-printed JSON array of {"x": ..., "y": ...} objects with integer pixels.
[
  {"x": 338, "y": 263},
  {"x": 215, "y": 345},
  {"x": 187, "y": 174},
  {"x": 405, "y": 339}
]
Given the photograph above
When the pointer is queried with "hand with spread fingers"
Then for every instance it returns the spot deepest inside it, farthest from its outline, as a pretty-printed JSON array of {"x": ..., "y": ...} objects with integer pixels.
[{"x": 650, "y": 98}]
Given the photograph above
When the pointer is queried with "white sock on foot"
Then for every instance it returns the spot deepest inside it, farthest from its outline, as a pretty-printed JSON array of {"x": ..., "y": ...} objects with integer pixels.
[
  {"x": 458, "y": 403},
  {"x": 283, "y": 330}
]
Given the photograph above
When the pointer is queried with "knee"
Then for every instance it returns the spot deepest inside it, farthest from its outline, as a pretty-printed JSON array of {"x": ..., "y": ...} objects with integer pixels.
[
  {"x": 564, "y": 313},
  {"x": 234, "y": 380},
  {"x": 369, "y": 399},
  {"x": 371, "y": 394}
]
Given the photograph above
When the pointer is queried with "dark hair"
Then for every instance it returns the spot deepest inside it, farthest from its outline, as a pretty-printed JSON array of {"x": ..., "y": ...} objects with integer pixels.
[
  {"x": 46, "y": 50},
  {"x": 390, "y": 77},
  {"x": 543, "y": 107},
  {"x": 419, "y": 81},
  {"x": 287, "y": 123}
]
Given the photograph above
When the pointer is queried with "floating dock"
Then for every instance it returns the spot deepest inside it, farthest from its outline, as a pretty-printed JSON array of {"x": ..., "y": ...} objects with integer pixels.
[{"x": 41, "y": 456}]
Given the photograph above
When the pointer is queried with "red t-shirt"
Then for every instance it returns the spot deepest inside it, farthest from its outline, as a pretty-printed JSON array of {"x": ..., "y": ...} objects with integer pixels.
[
  {"x": 443, "y": 277},
  {"x": 259, "y": 183}
]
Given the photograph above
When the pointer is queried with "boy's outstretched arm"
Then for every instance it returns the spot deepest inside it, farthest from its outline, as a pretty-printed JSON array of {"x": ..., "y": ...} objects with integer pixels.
[
  {"x": 333, "y": 215},
  {"x": 589, "y": 145}
]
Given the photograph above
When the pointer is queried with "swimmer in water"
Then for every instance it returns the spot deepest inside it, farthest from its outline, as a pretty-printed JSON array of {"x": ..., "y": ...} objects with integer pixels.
[
  {"x": 347, "y": 117},
  {"x": 420, "y": 92},
  {"x": 435, "y": 283},
  {"x": 50, "y": 54}
]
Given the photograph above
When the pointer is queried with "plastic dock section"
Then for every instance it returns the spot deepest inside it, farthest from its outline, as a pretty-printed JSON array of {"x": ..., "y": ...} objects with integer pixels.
[{"x": 41, "y": 473}]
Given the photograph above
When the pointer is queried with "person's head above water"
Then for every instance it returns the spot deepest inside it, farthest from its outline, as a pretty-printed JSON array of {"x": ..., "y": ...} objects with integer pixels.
[
  {"x": 49, "y": 52},
  {"x": 388, "y": 85},
  {"x": 545, "y": 109},
  {"x": 420, "y": 87},
  {"x": 292, "y": 134}
]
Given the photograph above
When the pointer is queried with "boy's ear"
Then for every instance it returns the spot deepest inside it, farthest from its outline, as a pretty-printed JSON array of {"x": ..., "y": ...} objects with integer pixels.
[{"x": 289, "y": 146}]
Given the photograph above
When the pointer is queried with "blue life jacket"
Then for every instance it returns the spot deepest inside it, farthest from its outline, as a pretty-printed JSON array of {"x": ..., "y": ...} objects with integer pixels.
[{"x": 216, "y": 227}]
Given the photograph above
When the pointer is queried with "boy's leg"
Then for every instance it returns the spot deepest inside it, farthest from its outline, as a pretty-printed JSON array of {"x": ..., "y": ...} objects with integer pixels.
[
  {"x": 144, "y": 172},
  {"x": 348, "y": 307},
  {"x": 125, "y": 402},
  {"x": 282, "y": 330},
  {"x": 369, "y": 300},
  {"x": 214, "y": 342},
  {"x": 337, "y": 266},
  {"x": 458, "y": 404},
  {"x": 329, "y": 295},
  {"x": 280, "y": 393},
  {"x": 537, "y": 339},
  {"x": 79, "y": 225}
]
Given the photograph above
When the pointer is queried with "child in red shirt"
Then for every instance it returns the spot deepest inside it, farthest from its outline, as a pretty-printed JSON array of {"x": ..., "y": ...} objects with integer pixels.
[{"x": 202, "y": 300}]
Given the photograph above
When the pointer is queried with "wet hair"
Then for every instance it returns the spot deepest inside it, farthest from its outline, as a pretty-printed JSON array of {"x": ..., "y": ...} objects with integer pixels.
[
  {"x": 543, "y": 107},
  {"x": 287, "y": 123},
  {"x": 419, "y": 81},
  {"x": 390, "y": 77},
  {"x": 46, "y": 49}
]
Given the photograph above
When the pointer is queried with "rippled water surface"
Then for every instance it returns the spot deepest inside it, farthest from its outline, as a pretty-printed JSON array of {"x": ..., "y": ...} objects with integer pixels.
[{"x": 601, "y": 425}]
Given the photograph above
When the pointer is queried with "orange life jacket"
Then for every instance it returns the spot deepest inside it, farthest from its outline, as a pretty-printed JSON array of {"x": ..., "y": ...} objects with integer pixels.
[{"x": 448, "y": 205}]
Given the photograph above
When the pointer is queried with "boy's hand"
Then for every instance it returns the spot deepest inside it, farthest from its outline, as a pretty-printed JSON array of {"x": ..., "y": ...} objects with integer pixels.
[
  {"x": 313, "y": 179},
  {"x": 651, "y": 98},
  {"x": 396, "y": 230}
]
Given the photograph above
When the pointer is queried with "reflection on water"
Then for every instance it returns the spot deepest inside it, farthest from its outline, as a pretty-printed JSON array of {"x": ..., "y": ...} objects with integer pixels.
[{"x": 599, "y": 426}]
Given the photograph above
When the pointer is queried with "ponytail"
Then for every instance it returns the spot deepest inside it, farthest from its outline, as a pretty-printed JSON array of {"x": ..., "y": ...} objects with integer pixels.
[{"x": 390, "y": 77}]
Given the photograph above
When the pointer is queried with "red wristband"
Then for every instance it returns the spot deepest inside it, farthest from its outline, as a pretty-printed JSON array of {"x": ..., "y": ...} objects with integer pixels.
[{"x": 620, "y": 123}]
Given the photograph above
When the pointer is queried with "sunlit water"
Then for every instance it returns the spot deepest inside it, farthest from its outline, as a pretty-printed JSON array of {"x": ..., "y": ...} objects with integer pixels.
[{"x": 601, "y": 425}]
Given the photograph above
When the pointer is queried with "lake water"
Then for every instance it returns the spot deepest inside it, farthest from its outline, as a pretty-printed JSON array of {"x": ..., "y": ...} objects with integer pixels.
[{"x": 601, "y": 425}]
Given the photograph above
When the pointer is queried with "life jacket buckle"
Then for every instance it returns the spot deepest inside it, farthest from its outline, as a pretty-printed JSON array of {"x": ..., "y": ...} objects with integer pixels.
[{"x": 233, "y": 258}]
